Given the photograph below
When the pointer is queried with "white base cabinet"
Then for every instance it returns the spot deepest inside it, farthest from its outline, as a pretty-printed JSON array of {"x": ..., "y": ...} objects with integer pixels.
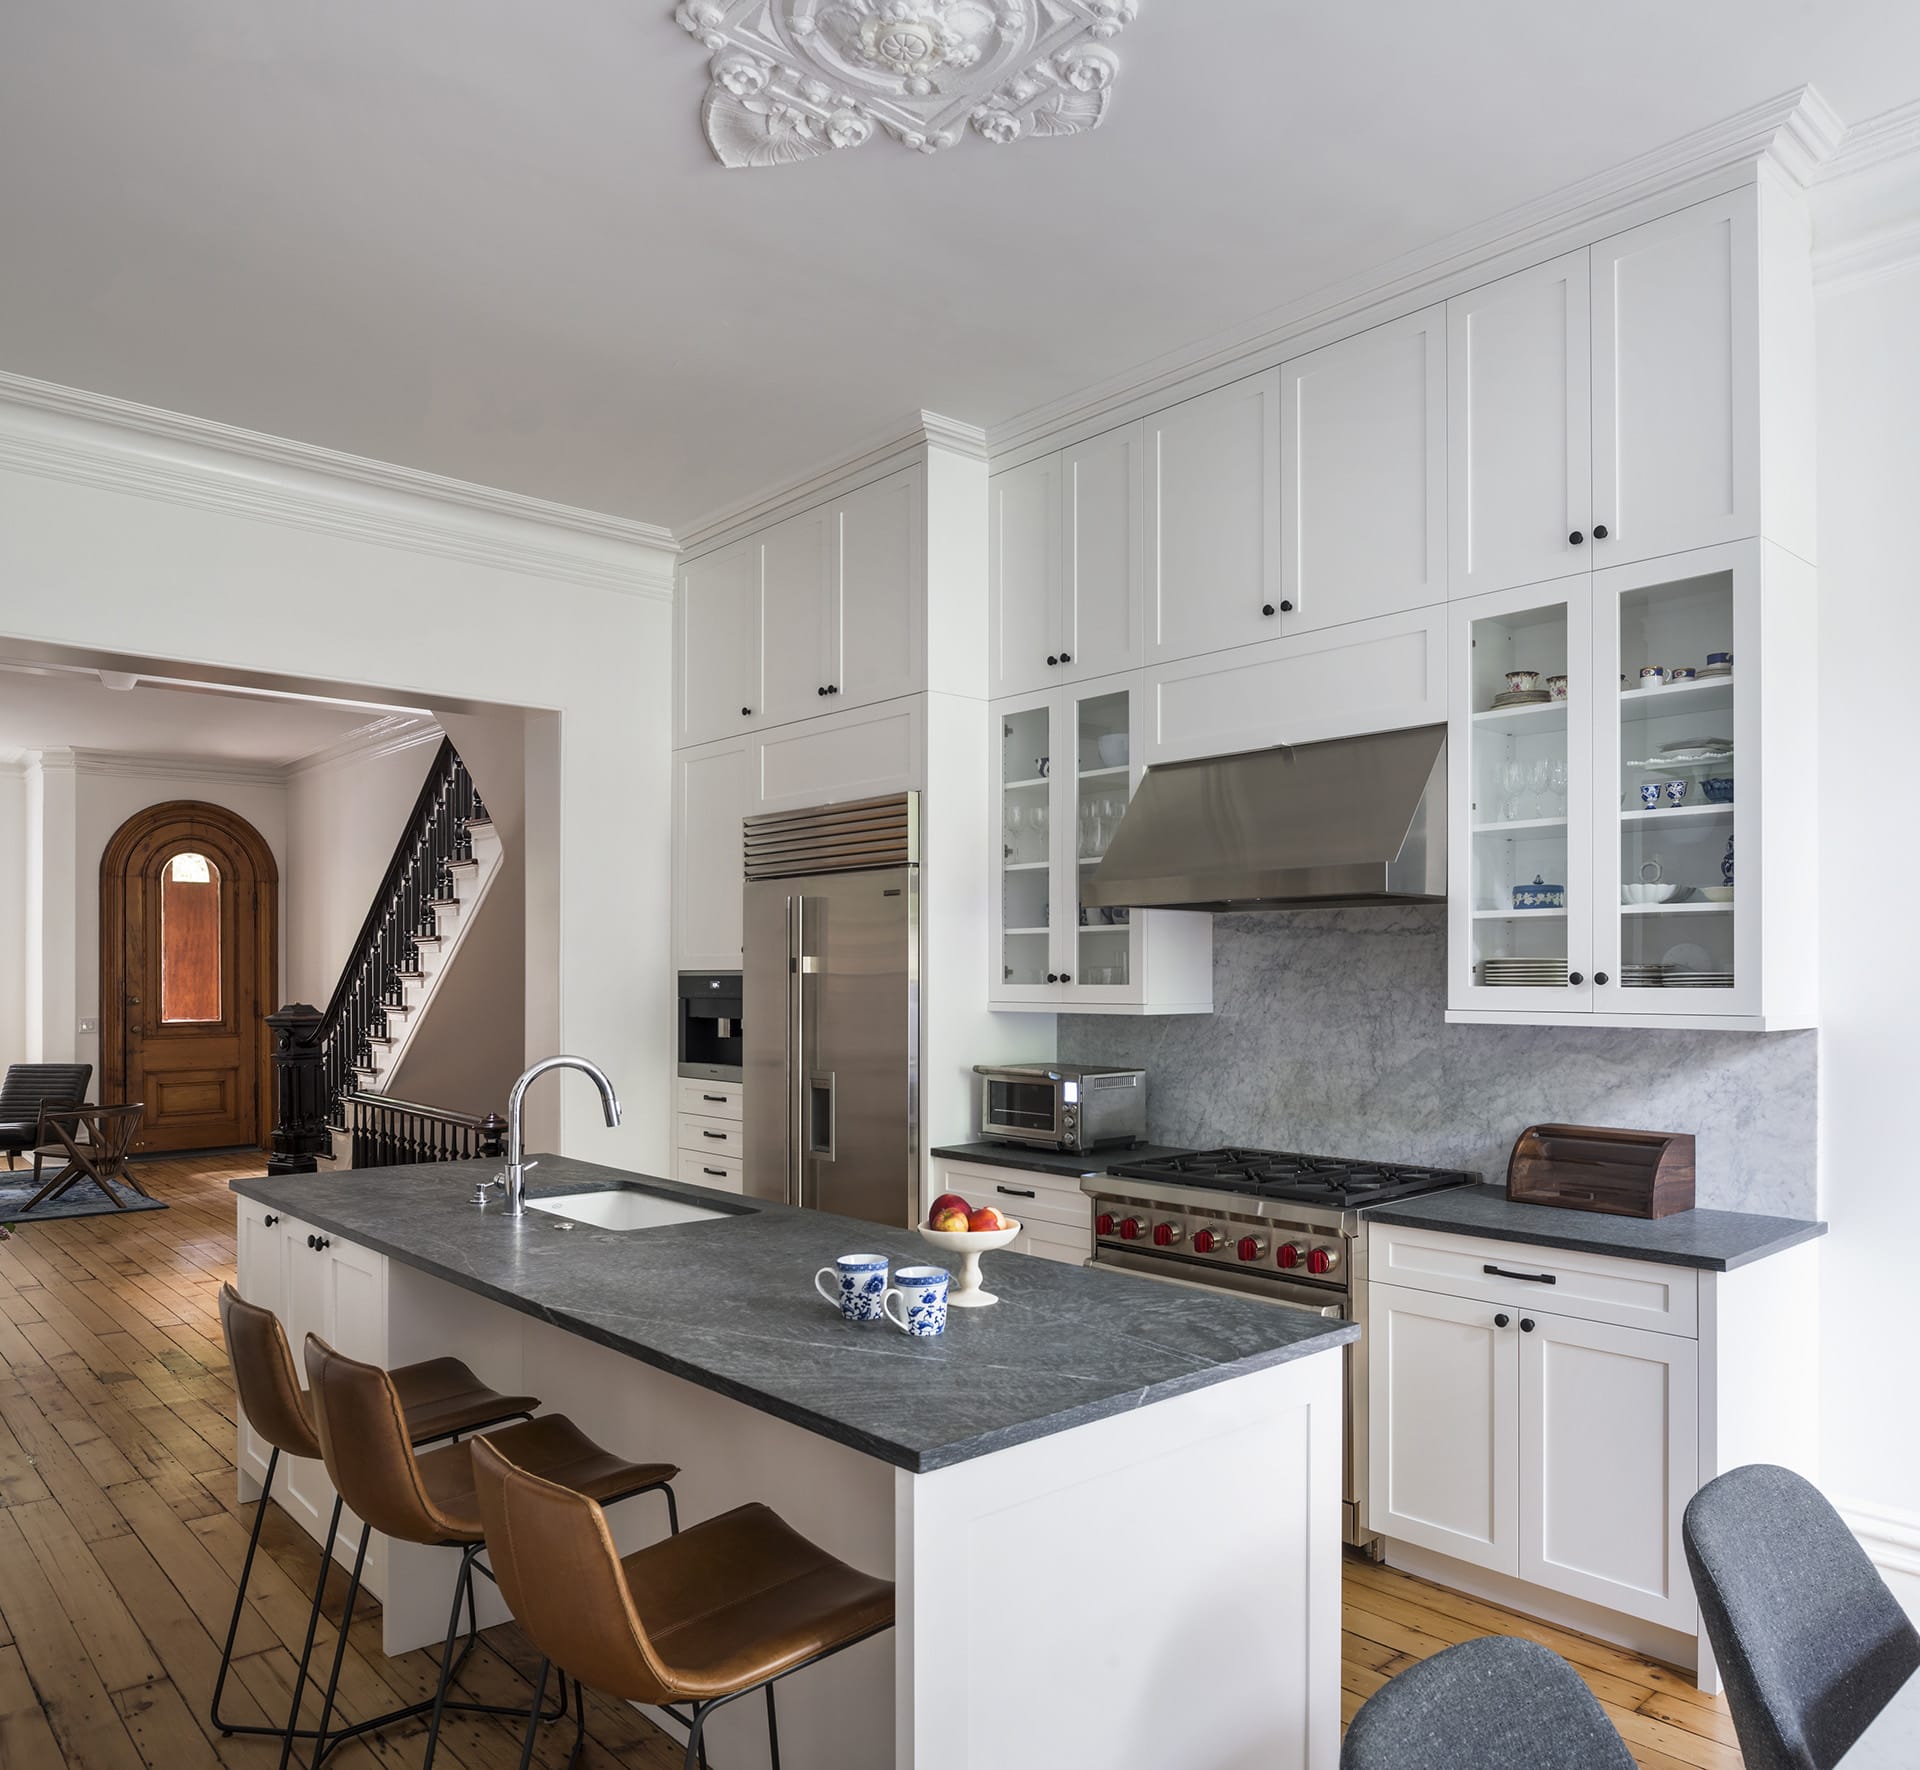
[
  {"x": 1546, "y": 1415},
  {"x": 1055, "y": 1216}
]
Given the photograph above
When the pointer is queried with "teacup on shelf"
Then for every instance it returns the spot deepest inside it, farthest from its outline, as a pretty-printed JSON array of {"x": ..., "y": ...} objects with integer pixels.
[{"x": 1522, "y": 681}]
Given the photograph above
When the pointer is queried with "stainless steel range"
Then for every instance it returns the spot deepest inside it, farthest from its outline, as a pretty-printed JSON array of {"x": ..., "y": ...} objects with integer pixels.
[{"x": 1289, "y": 1229}]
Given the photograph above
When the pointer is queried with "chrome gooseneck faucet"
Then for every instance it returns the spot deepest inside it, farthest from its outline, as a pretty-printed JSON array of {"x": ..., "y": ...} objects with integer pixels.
[{"x": 514, "y": 1175}]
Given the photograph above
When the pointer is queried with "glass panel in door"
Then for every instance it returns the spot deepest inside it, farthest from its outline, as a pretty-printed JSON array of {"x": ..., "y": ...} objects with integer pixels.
[
  {"x": 1103, "y": 778},
  {"x": 1026, "y": 847},
  {"x": 1679, "y": 769},
  {"x": 1528, "y": 914}
]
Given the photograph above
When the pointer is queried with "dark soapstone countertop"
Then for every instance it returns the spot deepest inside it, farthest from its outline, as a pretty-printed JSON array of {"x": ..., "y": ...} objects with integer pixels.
[
  {"x": 729, "y": 1304},
  {"x": 1055, "y": 1161},
  {"x": 1712, "y": 1241}
]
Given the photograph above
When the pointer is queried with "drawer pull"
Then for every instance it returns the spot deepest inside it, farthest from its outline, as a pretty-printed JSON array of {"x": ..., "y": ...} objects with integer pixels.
[
  {"x": 1016, "y": 1191},
  {"x": 717, "y": 1173},
  {"x": 717, "y": 1099},
  {"x": 270, "y": 1219},
  {"x": 721, "y": 1137},
  {"x": 1528, "y": 1277}
]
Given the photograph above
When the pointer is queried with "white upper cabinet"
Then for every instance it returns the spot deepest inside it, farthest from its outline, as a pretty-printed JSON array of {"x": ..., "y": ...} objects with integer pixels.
[
  {"x": 1102, "y": 485},
  {"x": 712, "y": 793},
  {"x": 1023, "y": 577},
  {"x": 874, "y": 651},
  {"x": 1363, "y": 514},
  {"x": 717, "y": 615},
  {"x": 798, "y": 566},
  {"x": 1519, "y": 429},
  {"x": 1676, "y": 434},
  {"x": 1213, "y": 520}
]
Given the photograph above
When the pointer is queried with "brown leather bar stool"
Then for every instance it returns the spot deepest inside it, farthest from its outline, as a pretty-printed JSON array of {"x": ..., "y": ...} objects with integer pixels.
[
  {"x": 430, "y": 1499},
  {"x": 441, "y": 1398},
  {"x": 712, "y": 1614}
]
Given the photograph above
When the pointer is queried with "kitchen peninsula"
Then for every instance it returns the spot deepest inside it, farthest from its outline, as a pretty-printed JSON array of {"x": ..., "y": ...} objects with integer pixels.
[{"x": 1017, "y": 1477}]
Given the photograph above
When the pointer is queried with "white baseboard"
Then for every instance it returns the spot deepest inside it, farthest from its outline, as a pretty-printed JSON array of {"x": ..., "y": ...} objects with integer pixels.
[{"x": 1892, "y": 1542}]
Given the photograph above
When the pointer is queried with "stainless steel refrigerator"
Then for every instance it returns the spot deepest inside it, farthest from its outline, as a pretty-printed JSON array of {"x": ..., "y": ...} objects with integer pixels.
[{"x": 831, "y": 1008}]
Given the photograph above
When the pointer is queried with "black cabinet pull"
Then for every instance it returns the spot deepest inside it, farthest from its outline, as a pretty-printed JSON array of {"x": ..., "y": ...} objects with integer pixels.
[
  {"x": 1575, "y": 538},
  {"x": 1266, "y": 608},
  {"x": 717, "y": 1173},
  {"x": 746, "y": 712},
  {"x": 1053, "y": 977},
  {"x": 717, "y": 1136},
  {"x": 1600, "y": 977},
  {"x": 1066, "y": 657},
  {"x": 1016, "y": 1191},
  {"x": 1501, "y": 1320},
  {"x": 833, "y": 688},
  {"x": 1575, "y": 979},
  {"x": 1286, "y": 607},
  {"x": 1066, "y": 976},
  {"x": 313, "y": 1241},
  {"x": 1052, "y": 661},
  {"x": 1526, "y": 1324},
  {"x": 822, "y": 689},
  {"x": 270, "y": 1219},
  {"x": 717, "y": 1099},
  {"x": 1529, "y": 1277},
  {"x": 1599, "y": 531},
  {"x": 325, "y": 1242}
]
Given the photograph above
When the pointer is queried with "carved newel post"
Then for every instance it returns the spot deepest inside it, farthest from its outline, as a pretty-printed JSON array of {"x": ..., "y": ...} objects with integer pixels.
[{"x": 300, "y": 1090}]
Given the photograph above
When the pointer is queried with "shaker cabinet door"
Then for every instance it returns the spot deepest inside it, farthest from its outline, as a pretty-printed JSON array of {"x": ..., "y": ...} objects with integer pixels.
[
  {"x": 874, "y": 650},
  {"x": 1363, "y": 516},
  {"x": 717, "y": 626},
  {"x": 1023, "y": 577},
  {"x": 1102, "y": 483},
  {"x": 1519, "y": 429},
  {"x": 799, "y": 562},
  {"x": 712, "y": 795}
]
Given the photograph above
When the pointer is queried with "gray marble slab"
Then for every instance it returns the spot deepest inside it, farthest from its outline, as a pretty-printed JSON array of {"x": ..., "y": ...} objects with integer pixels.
[
  {"x": 730, "y": 1305},
  {"x": 1055, "y": 1161},
  {"x": 1329, "y": 1034},
  {"x": 1713, "y": 1241}
]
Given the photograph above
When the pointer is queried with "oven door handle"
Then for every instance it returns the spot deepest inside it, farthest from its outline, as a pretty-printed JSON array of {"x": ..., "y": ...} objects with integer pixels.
[{"x": 1230, "y": 1284}]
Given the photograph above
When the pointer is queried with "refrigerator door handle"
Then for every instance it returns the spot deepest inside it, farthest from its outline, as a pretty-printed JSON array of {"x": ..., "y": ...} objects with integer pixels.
[
  {"x": 820, "y": 1116},
  {"x": 796, "y": 1046}
]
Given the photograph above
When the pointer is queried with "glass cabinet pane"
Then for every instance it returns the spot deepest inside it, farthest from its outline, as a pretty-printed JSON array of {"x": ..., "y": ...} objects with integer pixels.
[
  {"x": 1678, "y": 768},
  {"x": 1102, "y": 783},
  {"x": 1522, "y": 786},
  {"x": 1026, "y": 845}
]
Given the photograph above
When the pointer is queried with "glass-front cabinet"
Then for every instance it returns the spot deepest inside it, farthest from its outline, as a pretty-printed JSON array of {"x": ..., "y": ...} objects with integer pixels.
[
  {"x": 1607, "y": 740},
  {"x": 1065, "y": 767}
]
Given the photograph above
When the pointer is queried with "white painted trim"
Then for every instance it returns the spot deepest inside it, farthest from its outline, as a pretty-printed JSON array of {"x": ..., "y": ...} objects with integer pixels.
[
  {"x": 142, "y": 764},
  {"x": 1890, "y": 1537},
  {"x": 1796, "y": 131},
  {"x": 73, "y": 402},
  {"x": 386, "y": 736},
  {"x": 898, "y": 448},
  {"x": 87, "y": 439},
  {"x": 1867, "y": 256},
  {"x": 1875, "y": 140}
]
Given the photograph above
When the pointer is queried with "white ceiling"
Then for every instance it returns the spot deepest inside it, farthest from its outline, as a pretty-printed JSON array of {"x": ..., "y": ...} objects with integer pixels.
[
  {"x": 47, "y": 709},
  {"x": 486, "y": 239}
]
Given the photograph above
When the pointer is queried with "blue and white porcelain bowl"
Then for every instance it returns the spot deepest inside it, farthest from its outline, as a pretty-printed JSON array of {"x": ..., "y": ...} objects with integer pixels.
[
  {"x": 856, "y": 1284},
  {"x": 1539, "y": 896},
  {"x": 1718, "y": 789},
  {"x": 922, "y": 1294},
  {"x": 1650, "y": 795}
]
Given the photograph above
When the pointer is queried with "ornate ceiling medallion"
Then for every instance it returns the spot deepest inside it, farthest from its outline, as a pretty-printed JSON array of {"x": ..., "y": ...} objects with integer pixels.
[{"x": 790, "y": 79}]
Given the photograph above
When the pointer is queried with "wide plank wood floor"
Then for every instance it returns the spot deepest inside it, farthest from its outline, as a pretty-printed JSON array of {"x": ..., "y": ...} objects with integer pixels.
[{"x": 121, "y": 1537}]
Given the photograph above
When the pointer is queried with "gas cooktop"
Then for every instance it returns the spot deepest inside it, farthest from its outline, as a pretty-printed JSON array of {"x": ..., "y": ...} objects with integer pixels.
[{"x": 1299, "y": 1179}]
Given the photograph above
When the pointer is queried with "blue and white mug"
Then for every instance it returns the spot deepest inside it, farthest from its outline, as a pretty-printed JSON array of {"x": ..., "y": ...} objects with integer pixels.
[
  {"x": 1650, "y": 795},
  {"x": 922, "y": 1291},
  {"x": 856, "y": 1283}
]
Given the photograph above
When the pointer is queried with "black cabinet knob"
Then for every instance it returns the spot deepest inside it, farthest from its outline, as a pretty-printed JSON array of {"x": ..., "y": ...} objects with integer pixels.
[
  {"x": 1066, "y": 976},
  {"x": 313, "y": 1241},
  {"x": 1053, "y": 977},
  {"x": 270, "y": 1219},
  {"x": 1576, "y": 538},
  {"x": 822, "y": 689},
  {"x": 1526, "y": 1324},
  {"x": 1600, "y": 977},
  {"x": 746, "y": 712},
  {"x": 1286, "y": 608},
  {"x": 1599, "y": 531},
  {"x": 833, "y": 688},
  {"x": 1066, "y": 657},
  {"x": 1575, "y": 979},
  {"x": 324, "y": 1242},
  {"x": 1266, "y": 608},
  {"x": 1501, "y": 1320},
  {"x": 1052, "y": 661}
]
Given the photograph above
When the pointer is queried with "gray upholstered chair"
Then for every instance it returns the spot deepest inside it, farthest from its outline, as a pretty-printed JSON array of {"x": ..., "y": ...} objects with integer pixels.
[
  {"x": 27, "y": 1088},
  {"x": 1810, "y": 1642},
  {"x": 1491, "y": 1704}
]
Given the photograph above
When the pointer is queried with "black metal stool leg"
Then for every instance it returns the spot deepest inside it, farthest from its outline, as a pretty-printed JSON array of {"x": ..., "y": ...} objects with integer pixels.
[
  {"x": 773, "y": 1729},
  {"x": 696, "y": 1745},
  {"x": 579, "y": 1723},
  {"x": 339, "y": 1655},
  {"x": 240, "y": 1603},
  {"x": 462, "y": 1594},
  {"x": 533, "y": 1714},
  {"x": 313, "y": 1626},
  {"x": 673, "y": 1509}
]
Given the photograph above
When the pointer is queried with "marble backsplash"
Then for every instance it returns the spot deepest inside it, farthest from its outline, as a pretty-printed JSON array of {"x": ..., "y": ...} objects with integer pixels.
[{"x": 1328, "y": 1034}]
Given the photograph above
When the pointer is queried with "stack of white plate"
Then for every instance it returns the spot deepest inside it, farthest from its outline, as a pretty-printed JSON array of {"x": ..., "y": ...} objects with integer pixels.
[
  {"x": 1524, "y": 973},
  {"x": 1520, "y": 697},
  {"x": 1676, "y": 979},
  {"x": 1642, "y": 976}
]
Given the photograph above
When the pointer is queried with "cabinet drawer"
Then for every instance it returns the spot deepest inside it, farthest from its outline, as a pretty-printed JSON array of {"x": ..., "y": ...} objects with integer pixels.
[
  {"x": 1048, "y": 1241},
  {"x": 711, "y": 1136},
  {"x": 1049, "y": 1198},
  {"x": 693, "y": 1167},
  {"x": 708, "y": 1100},
  {"x": 1587, "y": 1287}
]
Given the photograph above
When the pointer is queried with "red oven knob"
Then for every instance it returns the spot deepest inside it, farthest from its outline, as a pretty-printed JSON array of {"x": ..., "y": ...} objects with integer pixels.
[
  {"x": 1103, "y": 1224},
  {"x": 1251, "y": 1247},
  {"x": 1132, "y": 1229},
  {"x": 1166, "y": 1235},
  {"x": 1206, "y": 1241},
  {"x": 1291, "y": 1254},
  {"x": 1322, "y": 1260}
]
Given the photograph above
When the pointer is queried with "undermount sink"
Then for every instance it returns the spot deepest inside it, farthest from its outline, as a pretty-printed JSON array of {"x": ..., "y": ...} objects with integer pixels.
[{"x": 618, "y": 1207}]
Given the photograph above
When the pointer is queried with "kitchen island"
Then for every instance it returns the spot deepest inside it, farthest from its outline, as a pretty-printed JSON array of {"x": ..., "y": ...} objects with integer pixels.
[{"x": 1028, "y": 1479}]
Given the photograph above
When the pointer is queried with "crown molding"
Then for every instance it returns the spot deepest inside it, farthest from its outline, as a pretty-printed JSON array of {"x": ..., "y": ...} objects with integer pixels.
[
  {"x": 898, "y": 448},
  {"x": 1866, "y": 209},
  {"x": 1796, "y": 132},
  {"x": 1892, "y": 135},
  {"x": 377, "y": 739},
  {"x": 1867, "y": 256},
  {"x": 84, "y": 438},
  {"x": 143, "y": 765}
]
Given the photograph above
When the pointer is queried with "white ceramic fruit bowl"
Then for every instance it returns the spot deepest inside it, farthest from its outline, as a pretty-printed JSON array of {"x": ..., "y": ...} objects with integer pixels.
[{"x": 966, "y": 1291}]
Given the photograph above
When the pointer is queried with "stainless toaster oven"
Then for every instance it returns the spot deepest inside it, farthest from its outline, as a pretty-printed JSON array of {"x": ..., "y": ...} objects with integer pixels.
[{"x": 1062, "y": 1105}]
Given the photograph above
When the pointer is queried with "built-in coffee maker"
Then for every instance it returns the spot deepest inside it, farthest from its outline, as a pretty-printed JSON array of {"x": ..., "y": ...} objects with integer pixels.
[{"x": 710, "y": 1025}]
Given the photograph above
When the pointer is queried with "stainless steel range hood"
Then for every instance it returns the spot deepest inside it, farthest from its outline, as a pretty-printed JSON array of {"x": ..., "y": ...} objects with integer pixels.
[{"x": 1351, "y": 821}]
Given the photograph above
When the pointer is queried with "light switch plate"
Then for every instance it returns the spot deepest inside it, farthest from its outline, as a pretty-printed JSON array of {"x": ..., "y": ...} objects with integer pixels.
[{"x": 89, "y": 1026}]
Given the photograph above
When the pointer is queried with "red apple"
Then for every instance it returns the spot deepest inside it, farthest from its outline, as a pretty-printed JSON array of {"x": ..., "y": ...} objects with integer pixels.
[
  {"x": 986, "y": 1221},
  {"x": 949, "y": 1201},
  {"x": 949, "y": 1221}
]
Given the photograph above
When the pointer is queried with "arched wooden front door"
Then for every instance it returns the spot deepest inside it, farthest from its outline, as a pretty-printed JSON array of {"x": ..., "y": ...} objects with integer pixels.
[{"x": 189, "y": 945}]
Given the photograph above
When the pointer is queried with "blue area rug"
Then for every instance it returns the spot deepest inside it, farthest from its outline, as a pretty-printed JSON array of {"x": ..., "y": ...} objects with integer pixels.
[{"x": 82, "y": 1199}]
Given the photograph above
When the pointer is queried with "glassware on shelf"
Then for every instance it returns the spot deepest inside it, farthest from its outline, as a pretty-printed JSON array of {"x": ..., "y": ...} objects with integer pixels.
[
  {"x": 1513, "y": 781},
  {"x": 1557, "y": 785},
  {"x": 1537, "y": 786}
]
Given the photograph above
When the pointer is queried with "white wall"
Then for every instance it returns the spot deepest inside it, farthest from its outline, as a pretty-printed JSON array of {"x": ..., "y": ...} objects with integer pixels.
[
  {"x": 1869, "y": 442},
  {"x": 176, "y": 550},
  {"x": 13, "y": 913}
]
